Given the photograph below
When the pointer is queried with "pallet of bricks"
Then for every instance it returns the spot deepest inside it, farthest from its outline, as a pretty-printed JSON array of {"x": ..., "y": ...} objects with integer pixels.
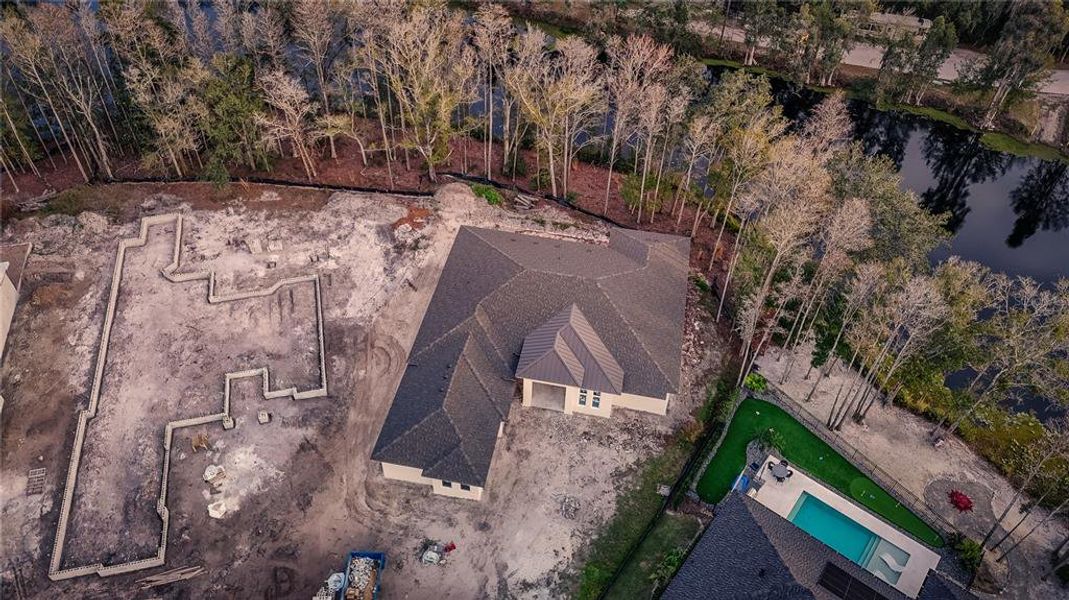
[{"x": 363, "y": 574}]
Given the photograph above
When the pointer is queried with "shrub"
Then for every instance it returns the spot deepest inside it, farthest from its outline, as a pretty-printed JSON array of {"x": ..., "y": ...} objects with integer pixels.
[
  {"x": 756, "y": 382},
  {"x": 770, "y": 438},
  {"x": 520, "y": 167},
  {"x": 668, "y": 566},
  {"x": 541, "y": 180},
  {"x": 488, "y": 193},
  {"x": 970, "y": 551}
]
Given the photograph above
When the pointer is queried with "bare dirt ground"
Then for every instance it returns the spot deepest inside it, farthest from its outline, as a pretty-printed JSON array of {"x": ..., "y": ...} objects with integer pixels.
[
  {"x": 300, "y": 491},
  {"x": 890, "y": 434},
  {"x": 169, "y": 350}
]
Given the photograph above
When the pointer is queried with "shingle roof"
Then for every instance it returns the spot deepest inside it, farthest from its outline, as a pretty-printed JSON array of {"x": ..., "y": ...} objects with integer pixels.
[
  {"x": 749, "y": 551},
  {"x": 938, "y": 587},
  {"x": 567, "y": 350},
  {"x": 495, "y": 290}
]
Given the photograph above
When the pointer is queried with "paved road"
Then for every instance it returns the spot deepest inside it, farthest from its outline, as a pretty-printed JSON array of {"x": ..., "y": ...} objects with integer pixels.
[{"x": 867, "y": 55}]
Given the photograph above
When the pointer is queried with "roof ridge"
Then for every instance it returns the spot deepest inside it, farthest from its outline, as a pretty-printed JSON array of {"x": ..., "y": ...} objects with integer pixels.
[
  {"x": 478, "y": 305},
  {"x": 475, "y": 314},
  {"x": 463, "y": 455},
  {"x": 413, "y": 426},
  {"x": 456, "y": 431},
  {"x": 638, "y": 338},
  {"x": 479, "y": 380},
  {"x": 441, "y": 408},
  {"x": 520, "y": 269},
  {"x": 607, "y": 246}
]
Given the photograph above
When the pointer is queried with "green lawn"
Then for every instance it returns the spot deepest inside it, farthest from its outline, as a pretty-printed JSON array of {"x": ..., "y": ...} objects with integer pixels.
[
  {"x": 811, "y": 454},
  {"x": 635, "y": 509},
  {"x": 934, "y": 114},
  {"x": 672, "y": 531},
  {"x": 1005, "y": 143}
]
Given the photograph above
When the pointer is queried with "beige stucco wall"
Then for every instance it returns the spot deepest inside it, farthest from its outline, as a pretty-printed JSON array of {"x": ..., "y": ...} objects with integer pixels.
[
  {"x": 657, "y": 406},
  {"x": 414, "y": 475},
  {"x": 8, "y": 296}
]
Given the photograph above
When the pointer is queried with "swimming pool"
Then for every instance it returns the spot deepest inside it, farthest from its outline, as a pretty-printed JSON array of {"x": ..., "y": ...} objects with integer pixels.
[
  {"x": 849, "y": 538},
  {"x": 845, "y": 535}
]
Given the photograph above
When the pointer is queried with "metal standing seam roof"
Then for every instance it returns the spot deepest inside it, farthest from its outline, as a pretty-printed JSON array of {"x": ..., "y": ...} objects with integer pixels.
[
  {"x": 567, "y": 350},
  {"x": 496, "y": 290}
]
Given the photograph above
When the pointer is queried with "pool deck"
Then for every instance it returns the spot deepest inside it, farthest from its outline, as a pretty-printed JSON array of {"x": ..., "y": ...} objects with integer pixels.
[{"x": 781, "y": 497}]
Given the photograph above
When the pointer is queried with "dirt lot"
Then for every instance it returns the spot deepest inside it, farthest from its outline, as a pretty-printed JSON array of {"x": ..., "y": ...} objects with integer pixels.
[{"x": 299, "y": 491}]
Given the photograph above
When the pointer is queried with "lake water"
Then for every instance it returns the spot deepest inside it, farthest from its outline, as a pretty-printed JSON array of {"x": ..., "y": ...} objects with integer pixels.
[{"x": 1007, "y": 212}]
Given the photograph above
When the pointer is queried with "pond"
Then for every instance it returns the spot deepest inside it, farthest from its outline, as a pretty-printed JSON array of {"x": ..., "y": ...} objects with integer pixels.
[{"x": 1007, "y": 212}]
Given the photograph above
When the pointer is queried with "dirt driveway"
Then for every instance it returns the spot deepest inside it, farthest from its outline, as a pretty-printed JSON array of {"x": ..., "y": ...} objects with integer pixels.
[{"x": 300, "y": 491}]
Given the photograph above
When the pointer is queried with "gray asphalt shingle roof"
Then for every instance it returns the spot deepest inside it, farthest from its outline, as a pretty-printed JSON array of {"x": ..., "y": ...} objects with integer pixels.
[
  {"x": 749, "y": 551},
  {"x": 496, "y": 289}
]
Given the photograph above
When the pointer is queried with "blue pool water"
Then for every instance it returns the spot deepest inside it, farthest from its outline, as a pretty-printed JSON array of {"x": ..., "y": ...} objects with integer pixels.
[{"x": 843, "y": 534}]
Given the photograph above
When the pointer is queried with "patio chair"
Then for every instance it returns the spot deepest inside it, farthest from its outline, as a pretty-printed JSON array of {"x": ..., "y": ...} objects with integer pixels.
[{"x": 893, "y": 564}]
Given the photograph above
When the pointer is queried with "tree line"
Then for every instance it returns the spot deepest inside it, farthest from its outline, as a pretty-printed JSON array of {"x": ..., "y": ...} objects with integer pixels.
[{"x": 806, "y": 40}]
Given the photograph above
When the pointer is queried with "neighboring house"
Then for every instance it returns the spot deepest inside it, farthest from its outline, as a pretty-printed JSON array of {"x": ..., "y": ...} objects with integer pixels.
[
  {"x": 882, "y": 26},
  {"x": 750, "y": 552},
  {"x": 570, "y": 326},
  {"x": 12, "y": 263}
]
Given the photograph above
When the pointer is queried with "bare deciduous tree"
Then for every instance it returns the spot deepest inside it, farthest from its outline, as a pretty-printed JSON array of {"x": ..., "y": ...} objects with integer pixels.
[
  {"x": 427, "y": 61},
  {"x": 1023, "y": 344},
  {"x": 291, "y": 118},
  {"x": 1055, "y": 444},
  {"x": 901, "y": 327},
  {"x": 636, "y": 65},
  {"x": 560, "y": 95},
  {"x": 493, "y": 35},
  {"x": 314, "y": 31},
  {"x": 785, "y": 229}
]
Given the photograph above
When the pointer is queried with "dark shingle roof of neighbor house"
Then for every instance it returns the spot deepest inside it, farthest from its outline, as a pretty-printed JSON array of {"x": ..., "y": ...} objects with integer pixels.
[
  {"x": 750, "y": 552},
  {"x": 497, "y": 288}
]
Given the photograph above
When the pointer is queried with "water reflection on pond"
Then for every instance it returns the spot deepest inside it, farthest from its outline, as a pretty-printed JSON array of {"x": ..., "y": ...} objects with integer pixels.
[{"x": 1007, "y": 212}]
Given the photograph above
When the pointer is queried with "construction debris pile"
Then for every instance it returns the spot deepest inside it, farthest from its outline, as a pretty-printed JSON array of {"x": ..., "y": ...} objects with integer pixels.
[
  {"x": 363, "y": 572},
  {"x": 569, "y": 505}
]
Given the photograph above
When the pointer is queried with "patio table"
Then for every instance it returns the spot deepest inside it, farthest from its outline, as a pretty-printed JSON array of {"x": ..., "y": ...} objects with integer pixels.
[{"x": 779, "y": 471}]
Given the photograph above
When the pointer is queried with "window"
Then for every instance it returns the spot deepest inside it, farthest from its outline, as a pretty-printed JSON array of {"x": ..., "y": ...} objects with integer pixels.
[
  {"x": 582, "y": 397},
  {"x": 447, "y": 483},
  {"x": 597, "y": 400},
  {"x": 465, "y": 487}
]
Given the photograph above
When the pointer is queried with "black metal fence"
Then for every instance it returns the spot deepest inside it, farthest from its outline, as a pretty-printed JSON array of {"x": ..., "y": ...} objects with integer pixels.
[{"x": 891, "y": 485}]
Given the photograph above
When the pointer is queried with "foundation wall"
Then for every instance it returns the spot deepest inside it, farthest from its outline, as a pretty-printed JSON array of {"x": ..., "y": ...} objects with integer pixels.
[
  {"x": 8, "y": 296},
  {"x": 169, "y": 272}
]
